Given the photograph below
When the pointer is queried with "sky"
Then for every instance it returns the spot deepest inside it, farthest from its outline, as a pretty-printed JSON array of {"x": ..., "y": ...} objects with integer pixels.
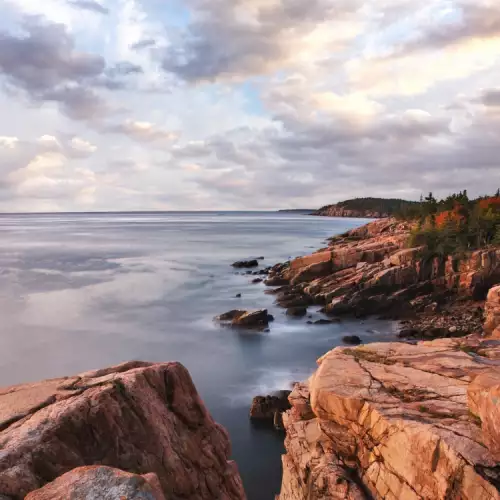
[{"x": 245, "y": 104}]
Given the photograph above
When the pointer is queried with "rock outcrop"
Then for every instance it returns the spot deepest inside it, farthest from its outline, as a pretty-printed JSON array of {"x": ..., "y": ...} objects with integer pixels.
[
  {"x": 394, "y": 421},
  {"x": 370, "y": 271},
  {"x": 492, "y": 312},
  {"x": 141, "y": 418}
]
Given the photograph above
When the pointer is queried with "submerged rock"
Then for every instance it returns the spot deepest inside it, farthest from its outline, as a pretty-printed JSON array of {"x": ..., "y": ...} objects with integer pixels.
[{"x": 136, "y": 416}]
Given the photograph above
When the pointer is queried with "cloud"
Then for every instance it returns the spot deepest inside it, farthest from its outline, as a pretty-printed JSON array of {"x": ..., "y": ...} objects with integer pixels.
[
  {"x": 491, "y": 98},
  {"x": 143, "y": 44},
  {"x": 44, "y": 63},
  {"x": 90, "y": 5},
  {"x": 233, "y": 39},
  {"x": 142, "y": 132},
  {"x": 467, "y": 20}
]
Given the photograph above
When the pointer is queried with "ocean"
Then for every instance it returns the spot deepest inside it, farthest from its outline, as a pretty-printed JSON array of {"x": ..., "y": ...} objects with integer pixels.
[{"x": 84, "y": 291}]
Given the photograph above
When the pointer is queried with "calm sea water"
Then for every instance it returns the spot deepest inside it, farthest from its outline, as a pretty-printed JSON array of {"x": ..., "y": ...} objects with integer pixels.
[{"x": 83, "y": 291}]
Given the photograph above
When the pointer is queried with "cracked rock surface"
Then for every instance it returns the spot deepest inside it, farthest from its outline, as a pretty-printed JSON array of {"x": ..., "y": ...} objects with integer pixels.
[
  {"x": 141, "y": 418},
  {"x": 397, "y": 421}
]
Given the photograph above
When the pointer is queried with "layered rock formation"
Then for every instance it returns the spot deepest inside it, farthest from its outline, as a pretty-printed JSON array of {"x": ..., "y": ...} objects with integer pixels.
[
  {"x": 141, "y": 418},
  {"x": 397, "y": 422},
  {"x": 370, "y": 271}
]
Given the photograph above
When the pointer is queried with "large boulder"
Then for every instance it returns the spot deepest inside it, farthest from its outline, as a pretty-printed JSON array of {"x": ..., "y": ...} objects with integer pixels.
[
  {"x": 139, "y": 417},
  {"x": 492, "y": 312},
  {"x": 392, "y": 420},
  {"x": 246, "y": 264},
  {"x": 103, "y": 483},
  {"x": 245, "y": 319}
]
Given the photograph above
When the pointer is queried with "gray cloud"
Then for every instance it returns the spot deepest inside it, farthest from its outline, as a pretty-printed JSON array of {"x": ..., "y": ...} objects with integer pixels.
[
  {"x": 226, "y": 40},
  {"x": 322, "y": 159},
  {"x": 90, "y": 5},
  {"x": 491, "y": 97},
  {"x": 45, "y": 64}
]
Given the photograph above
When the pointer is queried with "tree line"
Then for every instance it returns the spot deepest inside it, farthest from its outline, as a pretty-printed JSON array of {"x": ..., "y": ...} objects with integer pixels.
[{"x": 454, "y": 224}]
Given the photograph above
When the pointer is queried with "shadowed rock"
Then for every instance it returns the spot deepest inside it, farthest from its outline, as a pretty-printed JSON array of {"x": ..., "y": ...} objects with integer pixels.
[{"x": 241, "y": 264}]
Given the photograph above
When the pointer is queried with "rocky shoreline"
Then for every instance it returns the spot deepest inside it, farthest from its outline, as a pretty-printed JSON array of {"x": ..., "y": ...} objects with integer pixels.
[
  {"x": 370, "y": 271},
  {"x": 409, "y": 420},
  {"x": 416, "y": 419}
]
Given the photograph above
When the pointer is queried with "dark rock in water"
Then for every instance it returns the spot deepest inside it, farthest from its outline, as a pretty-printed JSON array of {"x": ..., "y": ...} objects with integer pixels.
[
  {"x": 257, "y": 280},
  {"x": 238, "y": 296},
  {"x": 293, "y": 300},
  {"x": 276, "y": 281},
  {"x": 245, "y": 263},
  {"x": 309, "y": 322},
  {"x": 351, "y": 340},
  {"x": 278, "y": 421},
  {"x": 260, "y": 258},
  {"x": 323, "y": 322},
  {"x": 230, "y": 315},
  {"x": 297, "y": 312},
  {"x": 270, "y": 408},
  {"x": 246, "y": 319},
  {"x": 270, "y": 318}
]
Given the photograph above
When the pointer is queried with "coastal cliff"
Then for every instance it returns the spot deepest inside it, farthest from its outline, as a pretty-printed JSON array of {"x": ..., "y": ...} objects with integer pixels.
[
  {"x": 135, "y": 431},
  {"x": 397, "y": 421}
]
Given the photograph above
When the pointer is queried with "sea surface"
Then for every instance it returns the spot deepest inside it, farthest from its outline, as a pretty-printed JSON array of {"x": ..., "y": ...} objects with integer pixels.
[{"x": 84, "y": 291}]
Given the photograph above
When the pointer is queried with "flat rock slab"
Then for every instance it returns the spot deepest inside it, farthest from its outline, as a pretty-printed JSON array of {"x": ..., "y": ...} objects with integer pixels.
[{"x": 142, "y": 418}]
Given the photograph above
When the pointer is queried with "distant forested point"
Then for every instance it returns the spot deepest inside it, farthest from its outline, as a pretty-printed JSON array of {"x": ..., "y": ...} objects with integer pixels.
[{"x": 367, "y": 207}]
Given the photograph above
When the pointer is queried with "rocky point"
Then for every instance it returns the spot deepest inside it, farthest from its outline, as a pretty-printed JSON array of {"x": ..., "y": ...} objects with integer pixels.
[
  {"x": 142, "y": 424},
  {"x": 371, "y": 271},
  {"x": 397, "y": 421}
]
